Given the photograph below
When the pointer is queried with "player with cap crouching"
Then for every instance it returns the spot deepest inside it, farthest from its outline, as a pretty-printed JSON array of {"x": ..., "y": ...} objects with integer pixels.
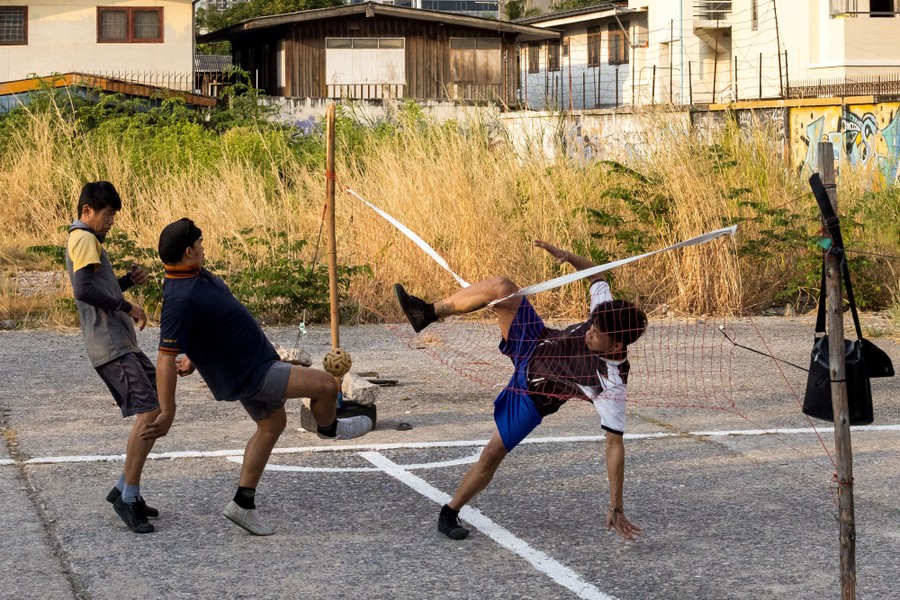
[{"x": 204, "y": 326}]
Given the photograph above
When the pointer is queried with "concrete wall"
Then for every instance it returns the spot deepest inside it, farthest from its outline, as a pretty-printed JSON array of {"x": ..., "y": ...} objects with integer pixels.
[
  {"x": 62, "y": 38},
  {"x": 864, "y": 135}
]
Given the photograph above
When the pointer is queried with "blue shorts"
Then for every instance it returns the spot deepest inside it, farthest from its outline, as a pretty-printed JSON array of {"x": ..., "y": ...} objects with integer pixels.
[{"x": 514, "y": 411}]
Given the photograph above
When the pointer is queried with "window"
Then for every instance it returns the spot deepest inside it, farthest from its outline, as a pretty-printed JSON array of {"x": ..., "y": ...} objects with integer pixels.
[
  {"x": 534, "y": 58},
  {"x": 553, "y": 55},
  {"x": 881, "y": 8},
  {"x": 593, "y": 46},
  {"x": 618, "y": 43},
  {"x": 365, "y": 67},
  {"x": 13, "y": 25},
  {"x": 476, "y": 61},
  {"x": 130, "y": 25}
]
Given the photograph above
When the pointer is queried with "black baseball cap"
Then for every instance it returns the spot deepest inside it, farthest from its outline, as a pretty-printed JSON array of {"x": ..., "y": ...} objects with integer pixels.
[{"x": 176, "y": 238}]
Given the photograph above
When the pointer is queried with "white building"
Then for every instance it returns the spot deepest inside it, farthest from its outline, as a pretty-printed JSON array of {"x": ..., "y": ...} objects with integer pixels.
[
  {"x": 153, "y": 40},
  {"x": 702, "y": 51}
]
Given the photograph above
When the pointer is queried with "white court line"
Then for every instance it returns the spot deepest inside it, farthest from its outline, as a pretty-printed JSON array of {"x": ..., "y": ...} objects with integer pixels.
[
  {"x": 449, "y": 444},
  {"x": 557, "y": 571},
  {"x": 466, "y": 460}
]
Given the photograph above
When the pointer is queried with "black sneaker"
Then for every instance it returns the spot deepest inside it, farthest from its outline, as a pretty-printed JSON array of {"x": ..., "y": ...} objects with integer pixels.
[
  {"x": 419, "y": 312},
  {"x": 114, "y": 494},
  {"x": 449, "y": 525},
  {"x": 133, "y": 515}
]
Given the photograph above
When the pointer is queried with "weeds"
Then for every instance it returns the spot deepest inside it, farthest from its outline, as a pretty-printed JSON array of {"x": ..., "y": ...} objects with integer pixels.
[{"x": 257, "y": 190}]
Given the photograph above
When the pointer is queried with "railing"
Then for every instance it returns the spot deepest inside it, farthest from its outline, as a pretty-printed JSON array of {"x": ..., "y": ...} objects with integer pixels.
[
  {"x": 873, "y": 85},
  {"x": 366, "y": 90},
  {"x": 712, "y": 10},
  {"x": 163, "y": 79}
]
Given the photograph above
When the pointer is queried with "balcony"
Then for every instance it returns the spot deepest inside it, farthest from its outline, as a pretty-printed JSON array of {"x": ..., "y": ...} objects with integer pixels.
[{"x": 712, "y": 10}]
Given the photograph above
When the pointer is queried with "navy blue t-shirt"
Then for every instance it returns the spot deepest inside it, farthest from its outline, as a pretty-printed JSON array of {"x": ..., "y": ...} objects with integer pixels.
[{"x": 203, "y": 319}]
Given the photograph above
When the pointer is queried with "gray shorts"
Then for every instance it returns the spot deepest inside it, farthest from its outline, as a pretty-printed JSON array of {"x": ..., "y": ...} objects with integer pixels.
[
  {"x": 132, "y": 380},
  {"x": 271, "y": 393}
]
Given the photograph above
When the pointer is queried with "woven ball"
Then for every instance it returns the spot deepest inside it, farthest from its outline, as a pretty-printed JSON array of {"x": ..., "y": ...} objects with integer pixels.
[{"x": 337, "y": 362}]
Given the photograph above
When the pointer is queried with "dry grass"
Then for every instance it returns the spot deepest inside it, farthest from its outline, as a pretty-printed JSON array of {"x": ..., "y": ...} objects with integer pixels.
[{"x": 472, "y": 197}]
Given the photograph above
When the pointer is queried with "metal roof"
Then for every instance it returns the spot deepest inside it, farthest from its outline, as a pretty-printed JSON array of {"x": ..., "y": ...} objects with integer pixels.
[
  {"x": 586, "y": 11},
  {"x": 526, "y": 33},
  {"x": 211, "y": 63}
]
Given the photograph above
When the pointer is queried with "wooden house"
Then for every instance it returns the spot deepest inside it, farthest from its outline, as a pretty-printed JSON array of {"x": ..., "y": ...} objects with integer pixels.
[{"x": 381, "y": 51}]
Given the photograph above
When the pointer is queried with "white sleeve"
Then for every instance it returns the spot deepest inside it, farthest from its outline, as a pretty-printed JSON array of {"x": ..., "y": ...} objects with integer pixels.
[
  {"x": 610, "y": 406},
  {"x": 609, "y": 399},
  {"x": 600, "y": 293}
]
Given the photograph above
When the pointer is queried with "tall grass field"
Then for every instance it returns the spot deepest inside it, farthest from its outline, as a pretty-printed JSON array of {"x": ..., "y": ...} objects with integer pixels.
[{"x": 257, "y": 190}]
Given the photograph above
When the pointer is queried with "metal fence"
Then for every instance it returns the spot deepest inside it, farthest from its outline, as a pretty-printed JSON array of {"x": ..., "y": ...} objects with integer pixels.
[
  {"x": 845, "y": 86},
  {"x": 170, "y": 80}
]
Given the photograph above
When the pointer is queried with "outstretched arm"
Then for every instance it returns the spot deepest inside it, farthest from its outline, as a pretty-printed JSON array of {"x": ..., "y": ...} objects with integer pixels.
[
  {"x": 564, "y": 256},
  {"x": 615, "y": 468}
]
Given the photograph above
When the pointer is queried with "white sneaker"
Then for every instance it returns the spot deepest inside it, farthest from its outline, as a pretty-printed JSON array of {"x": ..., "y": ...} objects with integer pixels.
[
  {"x": 351, "y": 427},
  {"x": 247, "y": 518}
]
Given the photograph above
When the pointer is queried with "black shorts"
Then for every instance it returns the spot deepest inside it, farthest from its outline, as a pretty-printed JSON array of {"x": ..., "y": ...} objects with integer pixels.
[{"x": 132, "y": 380}]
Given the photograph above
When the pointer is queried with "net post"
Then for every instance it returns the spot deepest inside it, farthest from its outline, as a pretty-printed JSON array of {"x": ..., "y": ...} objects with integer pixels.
[
  {"x": 837, "y": 366},
  {"x": 329, "y": 219}
]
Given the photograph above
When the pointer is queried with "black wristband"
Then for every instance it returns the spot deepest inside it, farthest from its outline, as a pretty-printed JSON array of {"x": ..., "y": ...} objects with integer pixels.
[{"x": 616, "y": 510}]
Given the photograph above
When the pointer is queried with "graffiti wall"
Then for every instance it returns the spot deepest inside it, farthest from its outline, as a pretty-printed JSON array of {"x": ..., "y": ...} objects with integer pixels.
[{"x": 863, "y": 135}]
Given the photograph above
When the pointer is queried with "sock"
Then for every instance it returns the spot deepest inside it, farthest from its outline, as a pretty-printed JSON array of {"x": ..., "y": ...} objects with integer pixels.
[
  {"x": 449, "y": 511},
  {"x": 121, "y": 484},
  {"x": 245, "y": 497},
  {"x": 329, "y": 431},
  {"x": 131, "y": 493},
  {"x": 430, "y": 316}
]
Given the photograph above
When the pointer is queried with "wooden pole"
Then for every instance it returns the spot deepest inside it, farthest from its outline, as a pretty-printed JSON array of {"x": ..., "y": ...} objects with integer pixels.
[
  {"x": 760, "y": 75},
  {"x": 837, "y": 362},
  {"x": 329, "y": 219},
  {"x": 715, "y": 63},
  {"x": 671, "y": 36},
  {"x": 571, "y": 100},
  {"x": 735, "y": 79},
  {"x": 690, "y": 86},
  {"x": 778, "y": 48}
]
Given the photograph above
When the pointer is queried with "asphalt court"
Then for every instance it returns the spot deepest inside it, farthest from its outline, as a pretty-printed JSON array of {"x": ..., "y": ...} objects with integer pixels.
[{"x": 727, "y": 512}]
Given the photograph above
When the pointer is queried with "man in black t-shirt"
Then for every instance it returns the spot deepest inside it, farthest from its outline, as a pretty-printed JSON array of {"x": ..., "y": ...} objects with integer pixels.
[{"x": 204, "y": 326}]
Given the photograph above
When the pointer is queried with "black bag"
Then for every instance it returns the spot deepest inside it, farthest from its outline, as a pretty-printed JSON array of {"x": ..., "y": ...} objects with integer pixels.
[
  {"x": 863, "y": 359},
  {"x": 817, "y": 400}
]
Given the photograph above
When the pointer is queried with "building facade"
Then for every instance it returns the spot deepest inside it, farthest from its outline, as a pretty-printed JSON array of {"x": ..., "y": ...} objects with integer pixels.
[
  {"x": 703, "y": 51},
  {"x": 152, "y": 40},
  {"x": 373, "y": 51}
]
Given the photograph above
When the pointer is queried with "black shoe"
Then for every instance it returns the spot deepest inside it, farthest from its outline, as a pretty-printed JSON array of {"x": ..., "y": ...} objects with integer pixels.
[
  {"x": 114, "y": 494},
  {"x": 133, "y": 515},
  {"x": 449, "y": 525},
  {"x": 419, "y": 312}
]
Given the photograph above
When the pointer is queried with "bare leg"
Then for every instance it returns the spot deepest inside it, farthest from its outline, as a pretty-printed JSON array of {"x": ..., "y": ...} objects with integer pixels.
[
  {"x": 477, "y": 296},
  {"x": 138, "y": 449},
  {"x": 481, "y": 473},
  {"x": 321, "y": 389},
  {"x": 259, "y": 447}
]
